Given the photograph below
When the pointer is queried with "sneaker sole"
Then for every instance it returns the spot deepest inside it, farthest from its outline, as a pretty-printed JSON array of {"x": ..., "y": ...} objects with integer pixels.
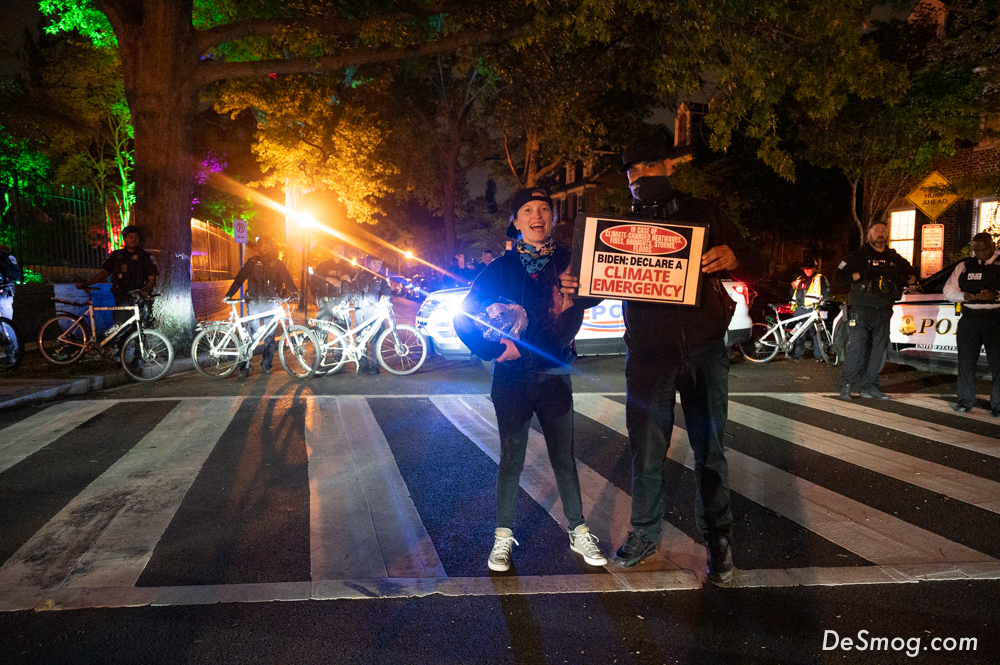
[
  {"x": 498, "y": 567},
  {"x": 592, "y": 561},
  {"x": 724, "y": 580}
]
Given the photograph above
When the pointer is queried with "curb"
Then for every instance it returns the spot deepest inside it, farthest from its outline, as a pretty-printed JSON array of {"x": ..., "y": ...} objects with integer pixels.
[{"x": 88, "y": 384}]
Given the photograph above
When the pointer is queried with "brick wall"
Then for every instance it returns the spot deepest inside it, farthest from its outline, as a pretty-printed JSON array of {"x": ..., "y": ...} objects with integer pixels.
[{"x": 207, "y": 299}]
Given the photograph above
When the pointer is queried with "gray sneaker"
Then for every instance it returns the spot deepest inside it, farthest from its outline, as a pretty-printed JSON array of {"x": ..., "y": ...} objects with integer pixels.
[
  {"x": 874, "y": 393},
  {"x": 503, "y": 541},
  {"x": 584, "y": 543}
]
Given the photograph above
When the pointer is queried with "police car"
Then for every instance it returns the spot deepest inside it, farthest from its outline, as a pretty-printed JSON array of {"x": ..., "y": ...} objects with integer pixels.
[{"x": 601, "y": 333}]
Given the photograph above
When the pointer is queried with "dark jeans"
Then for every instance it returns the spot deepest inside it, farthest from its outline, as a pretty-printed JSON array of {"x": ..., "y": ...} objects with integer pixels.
[
  {"x": 978, "y": 328},
  {"x": 799, "y": 348},
  {"x": 652, "y": 384},
  {"x": 326, "y": 305},
  {"x": 516, "y": 395},
  {"x": 867, "y": 341}
]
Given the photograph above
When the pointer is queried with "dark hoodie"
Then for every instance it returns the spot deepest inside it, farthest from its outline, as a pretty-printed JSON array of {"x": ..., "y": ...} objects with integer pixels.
[
  {"x": 670, "y": 333},
  {"x": 547, "y": 343}
]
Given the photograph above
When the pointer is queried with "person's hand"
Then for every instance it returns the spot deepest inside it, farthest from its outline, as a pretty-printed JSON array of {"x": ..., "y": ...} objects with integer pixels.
[
  {"x": 569, "y": 284},
  {"x": 797, "y": 282},
  {"x": 510, "y": 353},
  {"x": 719, "y": 258},
  {"x": 81, "y": 285},
  {"x": 856, "y": 276}
]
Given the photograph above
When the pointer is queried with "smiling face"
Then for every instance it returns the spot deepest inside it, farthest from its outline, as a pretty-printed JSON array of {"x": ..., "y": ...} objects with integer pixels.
[{"x": 534, "y": 221}]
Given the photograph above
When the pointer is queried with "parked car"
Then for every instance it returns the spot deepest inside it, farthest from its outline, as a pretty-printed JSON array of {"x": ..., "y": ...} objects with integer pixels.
[{"x": 601, "y": 333}]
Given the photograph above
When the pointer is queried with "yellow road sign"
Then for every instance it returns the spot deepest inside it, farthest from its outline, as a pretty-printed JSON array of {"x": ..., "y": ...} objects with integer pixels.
[{"x": 928, "y": 197}]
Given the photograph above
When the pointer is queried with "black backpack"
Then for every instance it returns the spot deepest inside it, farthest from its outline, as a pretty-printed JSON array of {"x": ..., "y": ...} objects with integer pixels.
[{"x": 10, "y": 270}]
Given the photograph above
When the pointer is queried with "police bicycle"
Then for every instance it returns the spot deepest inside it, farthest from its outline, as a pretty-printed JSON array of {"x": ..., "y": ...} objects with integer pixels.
[
  {"x": 220, "y": 346},
  {"x": 11, "y": 348},
  {"x": 767, "y": 339},
  {"x": 146, "y": 354},
  {"x": 400, "y": 349}
]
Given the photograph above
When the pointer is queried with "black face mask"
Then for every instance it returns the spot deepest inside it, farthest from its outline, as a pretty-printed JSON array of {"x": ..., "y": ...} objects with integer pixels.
[{"x": 651, "y": 188}]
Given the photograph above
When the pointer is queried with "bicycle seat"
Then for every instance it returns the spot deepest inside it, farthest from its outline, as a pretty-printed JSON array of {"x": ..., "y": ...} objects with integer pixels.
[{"x": 231, "y": 301}]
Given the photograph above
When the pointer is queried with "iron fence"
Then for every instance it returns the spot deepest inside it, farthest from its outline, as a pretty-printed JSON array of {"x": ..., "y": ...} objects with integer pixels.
[{"x": 58, "y": 231}]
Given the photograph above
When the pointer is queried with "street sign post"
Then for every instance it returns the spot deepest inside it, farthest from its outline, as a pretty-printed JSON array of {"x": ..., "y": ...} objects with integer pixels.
[
  {"x": 240, "y": 231},
  {"x": 929, "y": 197}
]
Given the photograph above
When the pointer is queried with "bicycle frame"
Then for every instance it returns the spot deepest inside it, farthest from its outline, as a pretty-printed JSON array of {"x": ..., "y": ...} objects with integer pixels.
[
  {"x": 249, "y": 342},
  {"x": 111, "y": 332},
  {"x": 361, "y": 334},
  {"x": 803, "y": 323}
]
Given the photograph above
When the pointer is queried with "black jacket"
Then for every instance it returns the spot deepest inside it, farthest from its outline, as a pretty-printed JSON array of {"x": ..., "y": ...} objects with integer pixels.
[
  {"x": 265, "y": 278},
  {"x": 547, "y": 344},
  {"x": 129, "y": 270},
  {"x": 669, "y": 333},
  {"x": 883, "y": 275}
]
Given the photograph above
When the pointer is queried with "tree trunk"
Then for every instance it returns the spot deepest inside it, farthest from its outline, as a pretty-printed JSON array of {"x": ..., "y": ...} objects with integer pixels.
[
  {"x": 155, "y": 39},
  {"x": 854, "y": 210},
  {"x": 449, "y": 195}
]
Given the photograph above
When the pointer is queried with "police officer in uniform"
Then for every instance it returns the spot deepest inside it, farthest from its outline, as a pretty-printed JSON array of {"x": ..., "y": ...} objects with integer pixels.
[
  {"x": 130, "y": 268},
  {"x": 876, "y": 274},
  {"x": 975, "y": 282},
  {"x": 676, "y": 348},
  {"x": 10, "y": 274},
  {"x": 808, "y": 290},
  {"x": 370, "y": 286},
  {"x": 331, "y": 282},
  {"x": 267, "y": 279}
]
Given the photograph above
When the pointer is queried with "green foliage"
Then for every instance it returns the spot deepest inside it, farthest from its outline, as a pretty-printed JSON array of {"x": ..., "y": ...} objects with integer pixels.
[
  {"x": 81, "y": 16},
  {"x": 309, "y": 137}
]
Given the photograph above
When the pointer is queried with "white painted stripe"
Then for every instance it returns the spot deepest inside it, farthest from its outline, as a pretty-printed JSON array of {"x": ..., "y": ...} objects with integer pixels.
[
  {"x": 869, "y": 533},
  {"x": 606, "y": 508},
  {"x": 30, "y": 435},
  {"x": 977, "y": 443},
  {"x": 942, "y": 405},
  {"x": 70, "y": 599},
  {"x": 938, "y": 478},
  {"x": 105, "y": 536},
  {"x": 363, "y": 523}
]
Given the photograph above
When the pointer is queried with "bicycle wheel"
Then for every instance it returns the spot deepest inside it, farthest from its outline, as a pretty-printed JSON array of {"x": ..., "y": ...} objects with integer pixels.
[
  {"x": 299, "y": 352},
  {"x": 150, "y": 360},
  {"x": 215, "y": 352},
  {"x": 11, "y": 346},
  {"x": 401, "y": 351},
  {"x": 333, "y": 349},
  {"x": 63, "y": 339},
  {"x": 762, "y": 345},
  {"x": 826, "y": 346}
]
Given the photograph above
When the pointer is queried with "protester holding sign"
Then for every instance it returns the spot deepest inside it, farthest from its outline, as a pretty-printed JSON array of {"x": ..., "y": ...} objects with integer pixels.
[
  {"x": 515, "y": 314},
  {"x": 680, "y": 347}
]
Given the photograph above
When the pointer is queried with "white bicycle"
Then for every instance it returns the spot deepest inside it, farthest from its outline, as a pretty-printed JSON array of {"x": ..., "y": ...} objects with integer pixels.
[
  {"x": 400, "y": 349},
  {"x": 220, "y": 346},
  {"x": 767, "y": 339}
]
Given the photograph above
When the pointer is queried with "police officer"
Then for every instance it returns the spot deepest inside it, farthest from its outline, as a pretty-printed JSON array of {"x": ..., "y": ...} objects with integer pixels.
[
  {"x": 130, "y": 268},
  {"x": 267, "y": 279},
  {"x": 808, "y": 290},
  {"x": 370, "y": 286},
  {"x": 876, "y": 274},
  {"x": 331, "y": 282},
  {"x": 677, "y": 348},
  {"x": 975, "y": 282},
  {"x": 10, "y": 274}
]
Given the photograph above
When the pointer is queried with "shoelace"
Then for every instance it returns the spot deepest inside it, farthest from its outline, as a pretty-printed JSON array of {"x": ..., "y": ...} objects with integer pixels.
[
  {"x": 588, "y": 543},
  {"x": 504, "y": 543},
  {"x": 634, "y": 541}
]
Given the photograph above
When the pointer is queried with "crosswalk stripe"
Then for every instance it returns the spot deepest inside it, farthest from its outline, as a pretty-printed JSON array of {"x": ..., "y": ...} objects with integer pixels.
[
  {"x": 944, "y": 480},
  {"x": 105, "y": 536},
  {"x": 606, "y": 508},
  {"x": 942, "y": 405},
  {"x": 942, "y": 434},
  {"x": 869, "y": 533},
  {"x": 30, "y": 435},
  {"x": 363, "y": 524}
]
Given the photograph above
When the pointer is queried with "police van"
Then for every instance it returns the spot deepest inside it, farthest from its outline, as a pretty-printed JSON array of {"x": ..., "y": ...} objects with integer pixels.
[{"x": 601, "y": 333}]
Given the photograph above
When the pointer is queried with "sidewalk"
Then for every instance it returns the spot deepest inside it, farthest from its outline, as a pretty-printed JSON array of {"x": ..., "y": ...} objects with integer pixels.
[{"x": 37, "y": 380}]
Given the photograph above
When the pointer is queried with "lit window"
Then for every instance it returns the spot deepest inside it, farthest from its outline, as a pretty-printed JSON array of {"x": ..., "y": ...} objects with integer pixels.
[
  {"x": 989, "y": 217},
  {"x": 901, "y": 232}
]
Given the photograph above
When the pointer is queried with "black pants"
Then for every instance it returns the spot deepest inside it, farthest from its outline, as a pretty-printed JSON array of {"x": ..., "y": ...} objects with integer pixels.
[
  {"x": 652, "y": 386},
  {"x": 516, "y": 395},
  {"x": 867, "y": 343},
  {"x": 978, "y": 328}
]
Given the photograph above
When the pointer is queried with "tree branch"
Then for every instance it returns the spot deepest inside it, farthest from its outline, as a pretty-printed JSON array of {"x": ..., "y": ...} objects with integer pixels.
[
  {"x": 510, "y": 162},
  {"x": 207, "y": 72}
]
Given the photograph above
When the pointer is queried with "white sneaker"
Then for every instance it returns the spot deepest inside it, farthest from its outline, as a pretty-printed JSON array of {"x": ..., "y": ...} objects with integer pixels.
[
  {"x": 503, "y": 540},
  {"x": 584, "y": 543}
]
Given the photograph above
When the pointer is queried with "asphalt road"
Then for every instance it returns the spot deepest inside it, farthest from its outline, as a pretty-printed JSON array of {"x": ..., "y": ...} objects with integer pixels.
[{"x": 347, "y": 519}]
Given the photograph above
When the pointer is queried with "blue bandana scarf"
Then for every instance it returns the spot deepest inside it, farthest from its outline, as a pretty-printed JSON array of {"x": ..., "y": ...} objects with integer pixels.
[{"x": 534, "y": 260}]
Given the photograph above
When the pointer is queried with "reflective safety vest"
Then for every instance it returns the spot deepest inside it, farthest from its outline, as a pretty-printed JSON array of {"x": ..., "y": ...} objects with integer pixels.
[{"x": 815, "y": 290}]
